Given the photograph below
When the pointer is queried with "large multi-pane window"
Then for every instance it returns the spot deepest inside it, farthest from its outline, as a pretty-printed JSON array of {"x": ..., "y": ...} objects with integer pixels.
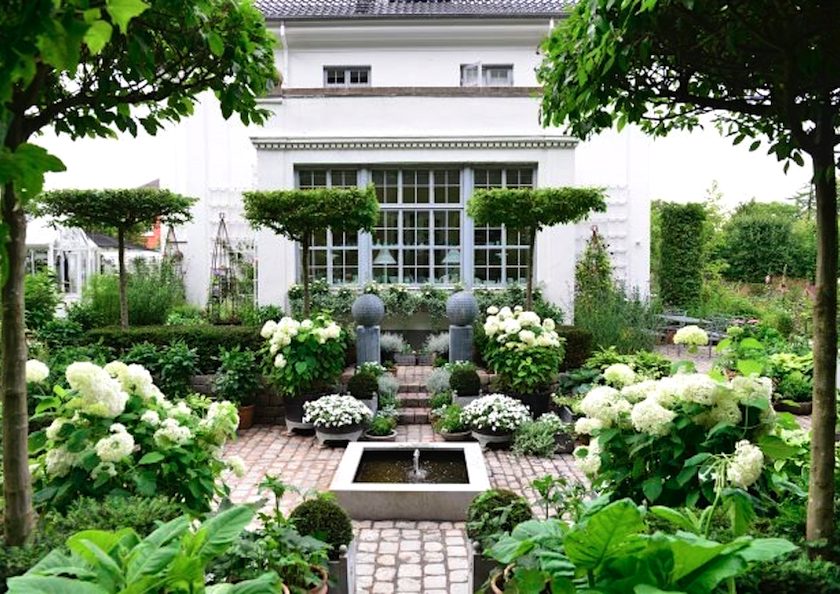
[
  {"x": 423, "y": 234},
  {"x": 501, "y": 254},
  {"x": 334, "y": 256},
  {"x": 418, "y": 238}
]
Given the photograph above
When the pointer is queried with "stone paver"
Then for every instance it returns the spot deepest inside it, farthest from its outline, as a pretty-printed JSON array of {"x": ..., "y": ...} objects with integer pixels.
[{"x": 393, "y": 556}]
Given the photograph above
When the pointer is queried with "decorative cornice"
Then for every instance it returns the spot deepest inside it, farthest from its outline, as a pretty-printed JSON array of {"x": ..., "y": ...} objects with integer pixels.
[
  {"x": 321, "y": 92},
  {"x": 347, "y": 144}
]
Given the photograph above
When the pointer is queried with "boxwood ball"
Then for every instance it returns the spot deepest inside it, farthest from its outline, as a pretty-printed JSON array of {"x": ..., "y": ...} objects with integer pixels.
[
  {"x": 368, "y": 310},
  {"x": 462, "y": 309}
]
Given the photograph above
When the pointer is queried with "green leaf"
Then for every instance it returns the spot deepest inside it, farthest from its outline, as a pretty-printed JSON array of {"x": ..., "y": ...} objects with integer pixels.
[
  {"x": 775, "y": 447},
  {"x": 34, "y": 584},
  {"x": 151, "y": 458},
  {"x": 652, "y": 488},
  {"x": 678, "y": 519},
  {"x": 217, "y": 46},
  {"x": 612, "y": 530},
  {"x": 268, "y": 582},
  {"x": 748, "y": 367},
  {"x": 647, "y": 589},
  {"x": 98, "y": 35},
  {"x": 766, "y": 549},
  {"x": 697, "y": 459},
  {"x": 122, "y": 11},
  {"x": 221, "y": 530}
]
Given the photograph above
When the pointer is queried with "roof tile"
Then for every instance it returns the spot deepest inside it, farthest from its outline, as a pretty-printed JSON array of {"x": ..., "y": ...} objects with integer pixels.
[{"x": 343, "y": 9}]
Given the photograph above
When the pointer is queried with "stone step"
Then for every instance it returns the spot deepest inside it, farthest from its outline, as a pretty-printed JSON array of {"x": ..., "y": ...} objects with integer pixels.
[
  {"x": 412, "y": 387},
  {"x": 413, "y": 416},
  {"x": 413, "y": 400}
]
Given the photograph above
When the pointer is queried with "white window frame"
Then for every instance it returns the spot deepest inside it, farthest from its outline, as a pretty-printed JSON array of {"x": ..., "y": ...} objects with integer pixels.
[
  {"x": 478, "y": 74},
  {"x": 347, "y": 71}
]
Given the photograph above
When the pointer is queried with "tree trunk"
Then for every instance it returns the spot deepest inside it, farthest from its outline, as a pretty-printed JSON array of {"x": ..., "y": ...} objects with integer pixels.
[
  {"x": 820, "y": 523},
  {"x": 17, "y": 484},
  {"x": 123, "y": 278},
  {"x": 305, "y": 271},
  {"x": 529, "y": 290}
]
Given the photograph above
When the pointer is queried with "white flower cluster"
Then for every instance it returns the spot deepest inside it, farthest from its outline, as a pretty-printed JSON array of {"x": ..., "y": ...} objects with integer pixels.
[
  {"x": 172, "y": 433},
  {"x": 619, "y": 375},
  {"x": 519, "y": 329},
  {"x": 648, "y": 416},
  {"x": 280, "y": 334},
  {"x": 692, "y": 337},
  {"x": 221, "y": 420},
  {"x": 99, "y": 394},
  {"x": 116, "y": 446},
  {"x": 336, "y": 410},
  {"x": 746, "y": 464},
  {"x": 136, "y": 379},
  {"x": 588, "y": 458},
  {"x": 495, "y": 412},
  {"x": 36, "y": 371},
  {"x": 605, "y": 405},
  {"x": 59, "y": 461},
  {"x": 236, "y": 465}
]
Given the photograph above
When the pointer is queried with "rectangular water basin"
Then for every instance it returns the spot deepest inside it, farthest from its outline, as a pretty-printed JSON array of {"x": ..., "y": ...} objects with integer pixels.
[{"x": 368, "y": 483}]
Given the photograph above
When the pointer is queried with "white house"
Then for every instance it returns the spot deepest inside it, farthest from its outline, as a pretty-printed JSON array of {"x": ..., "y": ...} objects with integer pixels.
[{"x": 429, "y": 100}]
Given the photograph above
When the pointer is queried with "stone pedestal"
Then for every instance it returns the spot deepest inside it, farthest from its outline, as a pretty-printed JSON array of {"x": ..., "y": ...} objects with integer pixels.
[
  {"x": 368, "y": 311},
  {"x": 461, "y": 309}
]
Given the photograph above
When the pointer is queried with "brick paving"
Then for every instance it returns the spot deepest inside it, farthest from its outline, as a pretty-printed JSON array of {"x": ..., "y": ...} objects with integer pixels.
[{"x": 397, "y": 556}]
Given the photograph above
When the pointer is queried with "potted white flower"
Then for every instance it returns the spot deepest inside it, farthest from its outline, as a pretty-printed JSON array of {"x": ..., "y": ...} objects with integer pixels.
[
  {"x": 494, "y": 418},
  {"x": 337, "y": 417}
]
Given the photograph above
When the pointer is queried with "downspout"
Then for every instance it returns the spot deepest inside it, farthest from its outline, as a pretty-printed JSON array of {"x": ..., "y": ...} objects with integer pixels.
[{"x": 285, "y": 43}]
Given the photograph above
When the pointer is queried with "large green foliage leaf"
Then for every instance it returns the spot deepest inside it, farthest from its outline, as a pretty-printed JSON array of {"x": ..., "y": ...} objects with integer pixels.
[
  {"x": 36, "y": 584},
  {"x": 613, "y": 530}
]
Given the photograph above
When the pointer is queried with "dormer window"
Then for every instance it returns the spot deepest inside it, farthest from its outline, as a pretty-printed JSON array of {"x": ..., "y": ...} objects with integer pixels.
[
  {"x": 486, "y": 75},
  {"x": 346, "y": 76}
]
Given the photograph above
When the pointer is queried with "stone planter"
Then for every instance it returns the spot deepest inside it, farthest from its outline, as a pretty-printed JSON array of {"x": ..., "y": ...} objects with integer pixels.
[
  {"x": 565, "y": 443},
  {"x": 371, "y": 403},
  {"x": 246, "y": 416},
  {"x": 567, "y": 415},
  {"x": 426, "y": 359},
  {"x": 343, "y": 571},
  {"x": 456, "y": 436},
  {"x": 294, "y": 412},
  {"x": 338, "y": 434},
  {"x": 390, "y": 437},
  {"x": 537, "y": 403},
  {"x": 463, "y": 401},
  {"x": 481, "y": 568},
  {"x": 405, "y": 359},
  {"x": 796, "y": 408},
  {"x": 486, "y": 437}
]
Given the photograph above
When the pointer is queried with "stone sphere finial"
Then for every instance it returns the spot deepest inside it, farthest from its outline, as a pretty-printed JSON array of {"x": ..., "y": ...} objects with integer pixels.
[
  {"x": 462, "y": 308},
  {"x": 368, "y": 310}
]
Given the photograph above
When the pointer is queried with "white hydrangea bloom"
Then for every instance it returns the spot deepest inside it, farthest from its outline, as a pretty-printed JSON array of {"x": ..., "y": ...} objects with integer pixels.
[
  {"x": 492, "y": 310},
  {"x": 99, "y": 393},
  {"x": 727, "y": 412},
  {"x": 221, "y": 421},
  {"x": 527, "y": 337},
  {"x": 171, "y": 433},
  {"x": 746, "y": 465},
  {"x": 648, "y": 416},
  {"x": 116, "y": 446},
  {"x": 280, "y": 361},
  {"x": 55, "y": 427},
  {"x": 268, "y": 329},
  {"x": 549, "y": 324},
  {"x": 236, "y": 465},
  {"x": 107, "y": 468},
  {"x": 181, "y": 409},
  {"x": 602, "y": 403},
  {"x": 587, "y": 426},
  {"x": 307, "y": 324},
  {"x": 59, "y": 462},
  {"x": 695, "y": 387},
  {"x": 117, "y": 369},
  {"x": 137, "y": 379},
  {"x": 752, "y": 388},
  {"x": 151, "y": 417},
  {"x": 505, "y": 313},
  {"x": 619, "y": 375},
  {"x": 691, "y": 336},
  {"x": 590, "y": 463},
  {"x": 36, "y": 371},
  {"x": 638, "y": 392},
  {"x": 528, "y": 318}
]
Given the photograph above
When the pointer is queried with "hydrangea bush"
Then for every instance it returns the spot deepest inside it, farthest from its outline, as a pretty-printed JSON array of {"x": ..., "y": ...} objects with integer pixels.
[
  {"x": 495, "y": 412},
  {"x": 304, "y": 356},
  {"x": 657, "y": 439},
  {"x": 336, "y": 410},
  {"x": 524, "y": 350},
  {"x": 113, "y": 431}
]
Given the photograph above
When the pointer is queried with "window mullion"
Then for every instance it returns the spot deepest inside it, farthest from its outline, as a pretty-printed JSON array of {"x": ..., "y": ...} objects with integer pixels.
[{"x": 467, "y": 229}]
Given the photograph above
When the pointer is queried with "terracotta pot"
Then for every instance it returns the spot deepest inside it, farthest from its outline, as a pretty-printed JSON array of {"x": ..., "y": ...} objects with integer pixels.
[
  {"x": 246, "y": 416},
  {"x": 797, "y": 408}
]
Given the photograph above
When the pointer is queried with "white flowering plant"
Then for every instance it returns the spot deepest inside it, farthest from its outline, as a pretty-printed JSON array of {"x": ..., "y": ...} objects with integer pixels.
[
  {"x": 496, "y": 413},
  {"x": 523, "y": 349},
  {"x": 303, "y": 356},
  {"x": 114, "y": 431},
  {"x": 336, "y": 410},
  {"x": 654, "y": 439},
  {"x": 691, "y": 337}
]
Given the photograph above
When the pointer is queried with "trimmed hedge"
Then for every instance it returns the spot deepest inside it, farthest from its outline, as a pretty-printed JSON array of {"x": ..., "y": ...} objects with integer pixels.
[
  {"x": 205, "y": 339},
  {"x": 578, "y": 346},
  {"x": 681, "y": 274}
]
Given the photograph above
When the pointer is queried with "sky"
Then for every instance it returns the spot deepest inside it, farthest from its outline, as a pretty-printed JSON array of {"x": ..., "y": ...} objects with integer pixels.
[{"x": 682, "y": 166}]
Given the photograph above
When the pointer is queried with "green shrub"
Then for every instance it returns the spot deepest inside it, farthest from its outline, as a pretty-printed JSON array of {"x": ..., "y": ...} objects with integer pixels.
[
  {"x": 257, "y": 315},
  {"x": 177, "y": 364},
  {"x": 237, "y": 378},
  {"x": 382, "y": 424},
  {"x": 438, "y": 381},
  {"x": 449, "y": 420},
  {"x": 796, "y": 575},
  {"x": 536, "y": 438},
  {"x": 324, "y": 519},
  {"x": 60, "y": 358},
  {"x": 101, "y": 300},
  {"x": 206, "y": 340},
  {"x": 578, "y": 346},
  {"x": 362, "y": 386},
  {"x": 145, "y": 354},
  {"x": 60, "y": 333},
  {"x": 185, "y": 315},
  {"x": 465, "y": 382},
  {"x": 682, "y": 254},
  {"x": 494, "y": 513},
  {"x": 440, "y": 399},
  {"x": 627, "y": 322},
  {"x": 41, "y": 297}
]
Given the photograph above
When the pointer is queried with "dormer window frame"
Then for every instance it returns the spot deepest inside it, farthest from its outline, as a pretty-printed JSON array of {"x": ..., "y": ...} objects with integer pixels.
[
  {"x": 351, "y": 76},
  {"x": 477, "y": 74}
]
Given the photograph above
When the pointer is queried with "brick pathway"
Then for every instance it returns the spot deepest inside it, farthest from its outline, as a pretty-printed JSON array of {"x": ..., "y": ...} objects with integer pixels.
[{"x": 393, "y": 557}]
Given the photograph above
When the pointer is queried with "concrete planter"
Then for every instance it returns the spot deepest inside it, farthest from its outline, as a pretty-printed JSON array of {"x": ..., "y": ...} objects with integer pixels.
[
  {"x": 426, "y": 359},
  {"x": 392, "y": 436},
  {"x": 295, "y": 412},
  {"x": 343, "y": 571},
  {"x": 405, "y": 360},
  {"x": 456, "y": 436},
  {"x": 485, "y": 438},
  {"x": 463, "y": 401},
  {"x": 371, "y": 403},
  {"x": 346, "y": 433}
]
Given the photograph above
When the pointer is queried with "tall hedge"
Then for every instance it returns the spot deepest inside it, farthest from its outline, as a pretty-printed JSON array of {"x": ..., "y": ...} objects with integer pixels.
[{"x": 682, "y": 253}]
